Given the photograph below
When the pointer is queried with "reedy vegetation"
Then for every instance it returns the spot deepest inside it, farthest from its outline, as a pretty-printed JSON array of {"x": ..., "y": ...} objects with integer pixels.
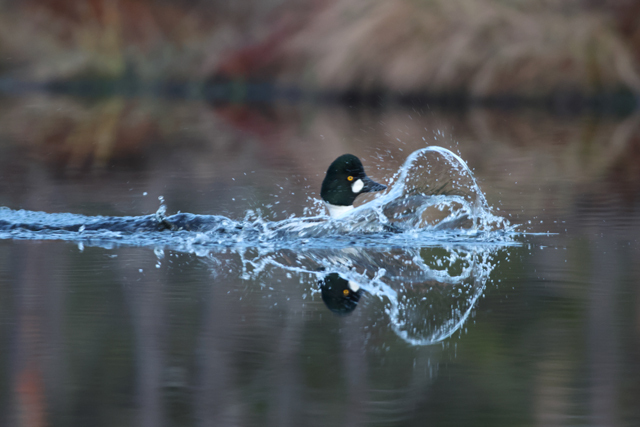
[{"x": 480, "y": 47}]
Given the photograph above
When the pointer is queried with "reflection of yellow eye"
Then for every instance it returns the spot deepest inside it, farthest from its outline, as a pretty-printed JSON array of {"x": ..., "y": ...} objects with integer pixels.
[
  {"x": 349, "y": 178},
  {"x": 346, "y": 291}
]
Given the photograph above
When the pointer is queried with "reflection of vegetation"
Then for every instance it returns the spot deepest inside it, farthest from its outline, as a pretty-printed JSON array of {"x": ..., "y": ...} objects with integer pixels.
[
  {"x": 111, "y": 343},
  {"x": 76, "y": 136},
  {"x": 69, "y": 135}
]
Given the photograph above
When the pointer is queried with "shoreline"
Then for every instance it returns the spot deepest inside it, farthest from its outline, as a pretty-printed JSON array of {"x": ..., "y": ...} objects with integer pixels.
[{"x": 619, "y": 102}]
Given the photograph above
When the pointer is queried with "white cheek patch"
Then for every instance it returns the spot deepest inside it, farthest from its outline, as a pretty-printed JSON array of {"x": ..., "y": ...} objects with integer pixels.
[
  {"x": 353, "y": 286},
  {"x": 357, "y": 186}
]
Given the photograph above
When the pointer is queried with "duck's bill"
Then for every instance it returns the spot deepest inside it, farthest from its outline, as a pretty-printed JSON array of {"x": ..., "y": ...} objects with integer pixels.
[{"x": 371, "y": 186}]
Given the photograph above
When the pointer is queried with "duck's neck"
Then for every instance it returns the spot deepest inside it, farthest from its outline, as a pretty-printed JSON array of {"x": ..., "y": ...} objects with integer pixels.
[{"x": 336, "y": 211}]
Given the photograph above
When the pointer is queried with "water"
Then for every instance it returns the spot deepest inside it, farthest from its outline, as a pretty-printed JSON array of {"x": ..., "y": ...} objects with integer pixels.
[{"x": 528, "y": 320}]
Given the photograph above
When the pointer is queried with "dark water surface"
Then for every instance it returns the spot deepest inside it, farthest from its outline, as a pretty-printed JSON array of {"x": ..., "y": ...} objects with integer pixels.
[{"x": 544, "y": 330}]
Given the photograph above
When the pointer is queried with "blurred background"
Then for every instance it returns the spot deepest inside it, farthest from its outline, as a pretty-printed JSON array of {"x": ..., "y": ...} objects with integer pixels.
[
  {"x": 92, "y": 86},
  {"x": 223, "y": 106}
]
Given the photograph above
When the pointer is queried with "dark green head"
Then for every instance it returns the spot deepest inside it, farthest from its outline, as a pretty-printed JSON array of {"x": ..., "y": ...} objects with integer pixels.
[
  {"x": 345, "y": 180},
  {"x": 339, "y": 295}
]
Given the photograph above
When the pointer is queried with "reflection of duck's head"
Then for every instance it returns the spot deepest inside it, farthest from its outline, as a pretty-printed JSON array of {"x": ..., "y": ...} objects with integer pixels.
[
  {"x": 339, "y": 295},
  {"x": 345, "y": 180}
]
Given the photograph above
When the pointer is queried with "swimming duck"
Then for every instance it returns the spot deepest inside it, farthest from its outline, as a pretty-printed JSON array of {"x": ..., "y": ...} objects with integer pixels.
[{"x": 345, "y": 180}]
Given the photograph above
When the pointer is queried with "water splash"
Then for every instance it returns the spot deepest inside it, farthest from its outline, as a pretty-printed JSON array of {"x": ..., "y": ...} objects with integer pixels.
[
  {"x": 433, "y": 198},
  {"x": 427, "y": 294},
  {"x": 436, "y": 190},
  {"x": 424, "y": 250}
]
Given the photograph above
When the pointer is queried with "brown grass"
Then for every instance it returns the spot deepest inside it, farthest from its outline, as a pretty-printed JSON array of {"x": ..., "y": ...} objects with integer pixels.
[
  {"x": 482, "y": 47},
  {"x": 485, "y": 47},
  {"x": 62, "y": 39}
]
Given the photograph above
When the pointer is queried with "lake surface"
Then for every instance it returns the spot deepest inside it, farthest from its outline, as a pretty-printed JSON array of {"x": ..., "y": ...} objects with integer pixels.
[{"x": 542, "y": 328}]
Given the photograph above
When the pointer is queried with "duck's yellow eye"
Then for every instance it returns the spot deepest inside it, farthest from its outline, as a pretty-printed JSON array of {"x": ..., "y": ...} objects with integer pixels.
[
  {"x": 346, "y": 291},
  {"x": 349, "y": 178}
]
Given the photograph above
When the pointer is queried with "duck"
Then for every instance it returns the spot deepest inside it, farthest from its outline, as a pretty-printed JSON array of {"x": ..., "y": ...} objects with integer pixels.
[
  {"x": 344, "y": 182},
  {"x": 341, "y": 296}
]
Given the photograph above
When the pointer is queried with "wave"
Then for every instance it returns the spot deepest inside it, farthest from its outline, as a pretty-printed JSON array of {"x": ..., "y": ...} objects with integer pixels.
[
  {"x": 427, "y": 294},
  {"x": 422, "y": 252},
  {"x": 433, "y": 198}
]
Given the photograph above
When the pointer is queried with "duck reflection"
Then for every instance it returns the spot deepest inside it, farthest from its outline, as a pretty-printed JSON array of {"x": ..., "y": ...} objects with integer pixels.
[
  {"x": 425, "y": 293},
  {"x": 341, "y": 296}
]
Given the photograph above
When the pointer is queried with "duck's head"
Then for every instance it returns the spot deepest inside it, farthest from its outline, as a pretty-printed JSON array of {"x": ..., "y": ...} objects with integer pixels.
[
  {"x": 339, "y": 295},
  {"x": 345, "y": 180}
]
